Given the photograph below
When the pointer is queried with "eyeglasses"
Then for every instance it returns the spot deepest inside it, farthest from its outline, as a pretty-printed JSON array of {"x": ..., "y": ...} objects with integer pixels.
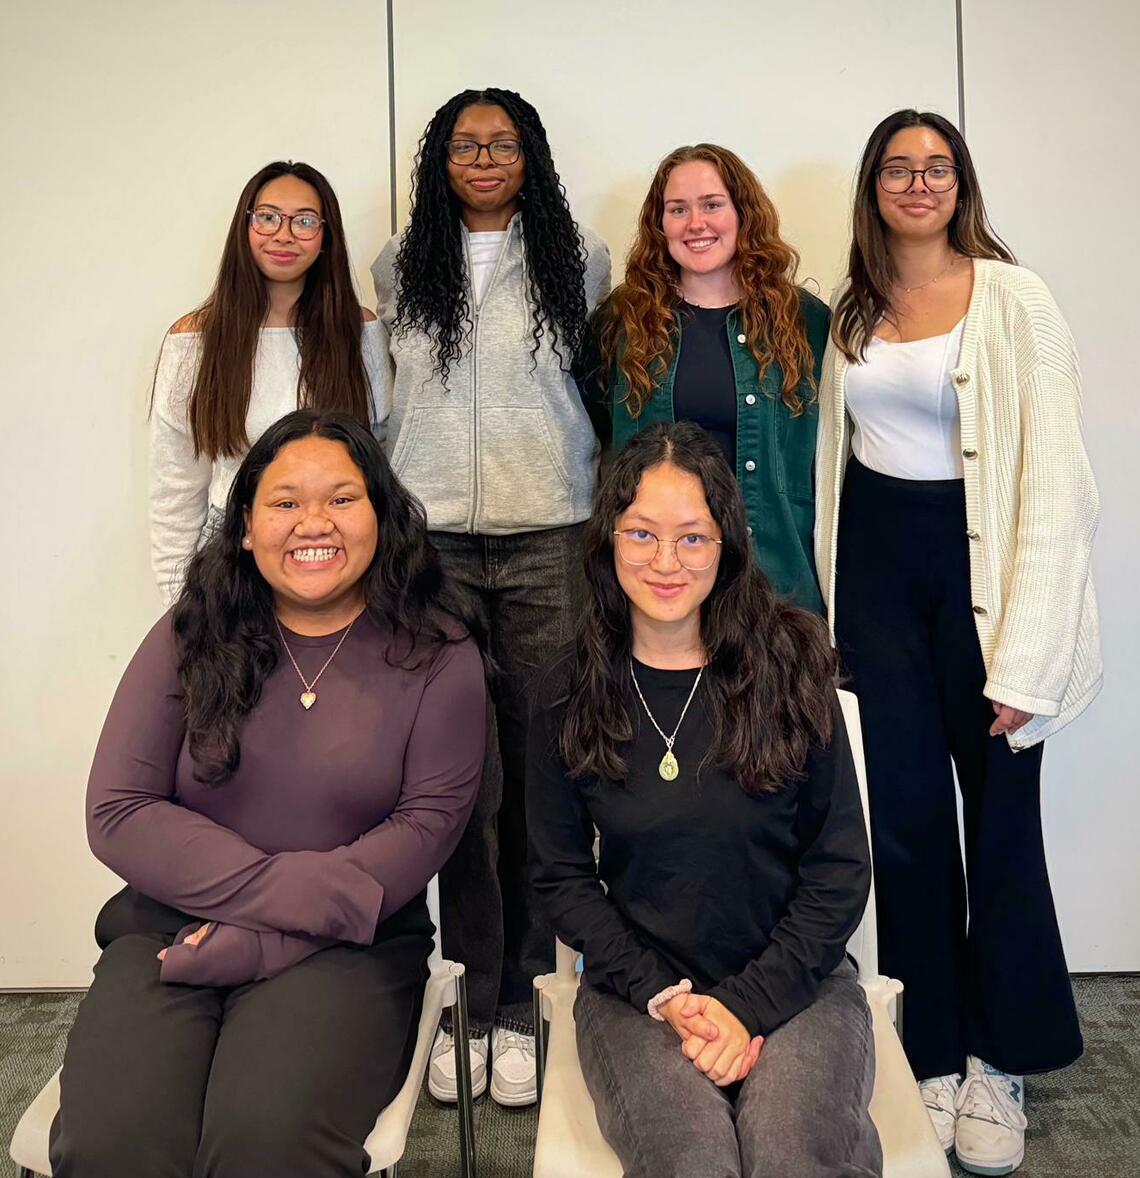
[
  {"x": 937, "y": 178},
  {"x": 499, "y": 151},
  {"x": 694, "y": 552},
  {"x": 303, "y": 226}
]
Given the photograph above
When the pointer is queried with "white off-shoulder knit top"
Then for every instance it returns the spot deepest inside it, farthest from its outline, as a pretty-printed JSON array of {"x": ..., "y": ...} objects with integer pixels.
[{"x": 188, "y": 493}]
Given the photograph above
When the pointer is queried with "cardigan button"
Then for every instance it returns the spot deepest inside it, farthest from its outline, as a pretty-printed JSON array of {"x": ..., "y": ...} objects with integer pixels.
[
  {"x": 979, "y": 609},
  {"x": 969, "y": 453},
  {"x": 750, "y": 466},
  {"x": 972, "y": 535},
  {"x": 750, "y": 399},
  {"x": 962, "y": 378},
  {"x": 742, "y": 338}
]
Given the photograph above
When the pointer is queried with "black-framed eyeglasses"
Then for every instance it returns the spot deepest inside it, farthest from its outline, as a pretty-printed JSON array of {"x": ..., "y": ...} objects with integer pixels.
[
  {"x": 468, "y": 151},
  {"x": 937, "y": 178},
  {"x": 303, "y": 226},
  {"x": 695, "y": 552}
]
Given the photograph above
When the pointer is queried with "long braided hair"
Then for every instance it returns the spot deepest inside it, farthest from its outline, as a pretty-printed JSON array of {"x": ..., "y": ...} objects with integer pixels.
[{"x": 431, "y": 277}]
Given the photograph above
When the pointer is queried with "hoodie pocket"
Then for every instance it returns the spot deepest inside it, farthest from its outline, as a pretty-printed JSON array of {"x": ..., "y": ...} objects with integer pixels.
[
  {"x": 431, "y": 456},
  {"x": 522, "y": 479}
]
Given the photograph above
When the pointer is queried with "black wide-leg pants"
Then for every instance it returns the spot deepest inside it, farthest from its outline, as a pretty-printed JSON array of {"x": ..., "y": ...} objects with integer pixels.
[{"x": 992, "y": 983}]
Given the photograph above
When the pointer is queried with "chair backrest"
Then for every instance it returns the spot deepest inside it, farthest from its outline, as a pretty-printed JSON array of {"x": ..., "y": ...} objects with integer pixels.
[{"x": 863, "y": 944}]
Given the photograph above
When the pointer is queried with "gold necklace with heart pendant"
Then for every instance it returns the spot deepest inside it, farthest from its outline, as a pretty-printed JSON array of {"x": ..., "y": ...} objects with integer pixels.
[
  {"x": 309, "y": 696},
  {"x": 669, "y": 768}
]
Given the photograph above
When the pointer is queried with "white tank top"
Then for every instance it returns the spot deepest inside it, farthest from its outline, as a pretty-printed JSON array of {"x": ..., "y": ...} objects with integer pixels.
[
  {"x": 485, "y": 249},
  {"x": 904, "y": 410}
]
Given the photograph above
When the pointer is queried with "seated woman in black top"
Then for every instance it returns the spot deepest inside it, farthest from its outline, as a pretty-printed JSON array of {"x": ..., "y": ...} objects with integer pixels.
[{"x": 721, "y": 1029}]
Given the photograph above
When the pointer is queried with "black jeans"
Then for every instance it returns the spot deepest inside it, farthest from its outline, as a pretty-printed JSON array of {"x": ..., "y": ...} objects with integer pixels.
[
  {"x": 529, "y": 589},
  {"x": 997, "y": 985}
]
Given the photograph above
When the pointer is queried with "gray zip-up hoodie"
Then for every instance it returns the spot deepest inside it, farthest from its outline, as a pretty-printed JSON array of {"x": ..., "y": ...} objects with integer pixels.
[{"x": 506, "y": 446}]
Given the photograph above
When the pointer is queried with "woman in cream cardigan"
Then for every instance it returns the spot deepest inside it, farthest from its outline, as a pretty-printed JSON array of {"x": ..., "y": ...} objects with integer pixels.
[{"x": 955, "y": 511}]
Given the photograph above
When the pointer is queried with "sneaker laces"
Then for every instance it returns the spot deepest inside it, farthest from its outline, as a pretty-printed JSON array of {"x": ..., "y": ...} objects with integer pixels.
[
  {"x": 940, "y": 1092},
  {"x": 505, "y": 1039},
  {"x": 983, "y": 1098}
]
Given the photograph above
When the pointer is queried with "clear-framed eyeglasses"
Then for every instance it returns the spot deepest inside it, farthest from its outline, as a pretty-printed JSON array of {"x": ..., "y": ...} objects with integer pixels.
[
  {"x": 303, "y": 226},
  {"x": 499, "y": 151},
  {"x": 695, "y": 552},
  {"x": 896, "y": 179}
]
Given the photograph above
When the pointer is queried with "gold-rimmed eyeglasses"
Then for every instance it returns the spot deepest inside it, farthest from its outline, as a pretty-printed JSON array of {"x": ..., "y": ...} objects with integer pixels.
[
  {"x": 303, "y": 226},
  {"x": 694, "y": 551}
]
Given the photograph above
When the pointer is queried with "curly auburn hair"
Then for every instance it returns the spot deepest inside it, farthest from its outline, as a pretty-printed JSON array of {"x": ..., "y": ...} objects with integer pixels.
[
  {"x": 430, "y": 269},
  {"x": 639, "y": 332}
]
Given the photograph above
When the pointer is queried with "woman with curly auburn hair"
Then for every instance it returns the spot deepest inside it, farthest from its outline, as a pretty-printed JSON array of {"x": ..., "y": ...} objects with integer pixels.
[
  {"x": 484, "y": 298},
  {"x": 710, "y": 326}
]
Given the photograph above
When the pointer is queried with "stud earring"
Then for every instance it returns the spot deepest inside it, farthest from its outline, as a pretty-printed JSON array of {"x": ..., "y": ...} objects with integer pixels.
[{"x": 246, "y": 542}]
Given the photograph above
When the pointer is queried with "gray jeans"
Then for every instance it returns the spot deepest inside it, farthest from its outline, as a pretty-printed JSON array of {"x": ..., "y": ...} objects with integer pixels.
[{"x": 801, "y": 1112}]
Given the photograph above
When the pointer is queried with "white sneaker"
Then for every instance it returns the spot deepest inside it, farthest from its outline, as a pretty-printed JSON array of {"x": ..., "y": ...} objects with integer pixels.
[
  {"x": 441, "y": 1067},
  {"x": 990, "y": 1135},
  {"x": 514, "y": 1076},
  {"x": 938, "y": 1095}
]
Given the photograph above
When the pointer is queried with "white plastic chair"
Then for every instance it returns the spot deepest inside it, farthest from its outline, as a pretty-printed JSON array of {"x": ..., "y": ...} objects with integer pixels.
[
  {"x": 569, "y": 1142},
  {"x": 446, "y": 986}
]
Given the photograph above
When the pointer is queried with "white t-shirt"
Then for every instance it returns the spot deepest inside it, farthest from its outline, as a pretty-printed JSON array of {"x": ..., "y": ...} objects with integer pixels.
[
  {"x": 904, "y": 409},
  {"x": 485, "y": 249}
]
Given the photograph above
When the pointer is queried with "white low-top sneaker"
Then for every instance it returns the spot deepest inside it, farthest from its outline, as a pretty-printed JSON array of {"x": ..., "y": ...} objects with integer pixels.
[
  {"x": 514, "y": 1079},
  {"x": 990, "y": 1134},
  {"x": 441, "y": 1067},
  {"x": 938, "y": 1094}
]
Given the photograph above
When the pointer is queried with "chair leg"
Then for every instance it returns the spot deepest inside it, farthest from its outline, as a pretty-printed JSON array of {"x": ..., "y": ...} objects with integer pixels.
[
  {"x": 539, "y": 1044},
  {"x": 899, "y": 1016},
  {"x": 463, "y": 1076},
  {"x": 390, "y": 1171},
  {"x": 26, "y": 1173}
]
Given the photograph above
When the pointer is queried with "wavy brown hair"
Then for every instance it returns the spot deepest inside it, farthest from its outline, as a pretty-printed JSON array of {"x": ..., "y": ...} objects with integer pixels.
[
  {"x": 770, "y": 670},
  {"x": 639, "y": 332},
  {"x": 870, "y": 270},
  {"x": 327, "y": 326}
]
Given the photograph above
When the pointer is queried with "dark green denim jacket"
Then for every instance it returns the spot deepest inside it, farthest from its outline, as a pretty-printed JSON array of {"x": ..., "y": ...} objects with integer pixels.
[{"x": 775, "y": 452}]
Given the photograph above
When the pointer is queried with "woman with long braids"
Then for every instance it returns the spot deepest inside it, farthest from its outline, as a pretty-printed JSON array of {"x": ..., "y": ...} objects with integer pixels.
[
  {"x": 283, "y": 328},
  {"x": 484, "y": 299},
  {"x": 694, "y": 723},
  {"x": 956, "y": 514},
  {"x": 710, "y": 326},
  {"x": 256, "y": 1002}
]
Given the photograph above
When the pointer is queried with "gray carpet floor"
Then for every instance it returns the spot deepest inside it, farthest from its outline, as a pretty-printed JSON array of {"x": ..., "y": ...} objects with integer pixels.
[{"x": 1084, "y": 1122}]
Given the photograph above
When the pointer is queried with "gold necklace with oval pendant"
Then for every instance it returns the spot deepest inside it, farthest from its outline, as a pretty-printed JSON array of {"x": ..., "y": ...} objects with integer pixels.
[{"x": 668, "y": 768}]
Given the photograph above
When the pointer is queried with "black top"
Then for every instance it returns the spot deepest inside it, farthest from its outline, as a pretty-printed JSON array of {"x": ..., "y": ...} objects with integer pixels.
[
  {"x": 704, "y": 389},
  {"x": 751, "y": 897}
]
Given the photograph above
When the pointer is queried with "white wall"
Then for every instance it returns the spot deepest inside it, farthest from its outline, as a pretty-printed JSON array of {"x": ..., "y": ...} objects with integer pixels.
[
  {"x": 128, "y": 128},
  {"x": 128, "y": 131},
  {"x": 1052, "y": 98}
]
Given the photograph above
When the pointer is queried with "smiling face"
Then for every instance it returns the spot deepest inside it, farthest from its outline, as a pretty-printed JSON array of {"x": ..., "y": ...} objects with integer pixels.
[
  {"x": 917, "y": 214},
  {"x": 313, "y": 533},
  {"x": 487, "y": 191},
  {"x": 282, "y": 257},
  {"x": 699, "y": 220},
  {"x": 663, "y": 595}
]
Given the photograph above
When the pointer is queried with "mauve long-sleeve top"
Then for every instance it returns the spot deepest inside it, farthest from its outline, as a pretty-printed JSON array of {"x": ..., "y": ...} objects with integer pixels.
[{"x": 334, "y": 819}]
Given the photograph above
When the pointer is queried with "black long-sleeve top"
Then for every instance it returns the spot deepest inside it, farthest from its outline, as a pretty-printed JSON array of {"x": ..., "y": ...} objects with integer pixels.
[{"x": 752, "y": 897}]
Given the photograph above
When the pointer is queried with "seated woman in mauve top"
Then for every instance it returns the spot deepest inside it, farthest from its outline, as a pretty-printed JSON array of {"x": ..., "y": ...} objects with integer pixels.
[
  {"x": 721, "y": 1029},
  {"x": 291, "y": 755}
]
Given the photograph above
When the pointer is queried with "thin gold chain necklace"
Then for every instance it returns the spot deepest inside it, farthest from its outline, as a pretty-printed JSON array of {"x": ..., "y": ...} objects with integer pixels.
[
  {"x": 930, "y": 281},
  {"x": 668, "y": 767},
  {"x": 308, "y": 697}
]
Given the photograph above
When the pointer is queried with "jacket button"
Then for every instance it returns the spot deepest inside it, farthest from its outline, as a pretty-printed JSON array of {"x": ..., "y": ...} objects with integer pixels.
[
  {"x": 750, "y": 399},
  {"x": 972, "y": 535},
  {"x": 979, "y": 609},
  {"x": 969, "y": 453},
  {"x": 962, "y": 378},
  {"x": 750, "y": 465},
  {"x": 742, "y": 338},
  {"x": 750, "y": 529}
]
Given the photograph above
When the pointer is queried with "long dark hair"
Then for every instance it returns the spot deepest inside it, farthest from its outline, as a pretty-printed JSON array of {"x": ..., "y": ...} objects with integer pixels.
[
  {"x": 639, "y": 335},
  {"x": 328, "y": 325},
  {"x": 224, "y": 626},
  {"x": 431, "y": 273},
  {"x": 870, "y": 271},
  {"x": 770, "y": 672}
]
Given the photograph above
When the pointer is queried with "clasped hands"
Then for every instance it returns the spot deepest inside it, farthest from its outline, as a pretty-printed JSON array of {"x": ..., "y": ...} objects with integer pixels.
[{"x": 712, "y": 1037}]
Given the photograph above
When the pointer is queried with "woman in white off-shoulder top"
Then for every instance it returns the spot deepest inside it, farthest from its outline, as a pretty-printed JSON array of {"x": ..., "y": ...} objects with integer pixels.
[{"x": 282, "y": 329}]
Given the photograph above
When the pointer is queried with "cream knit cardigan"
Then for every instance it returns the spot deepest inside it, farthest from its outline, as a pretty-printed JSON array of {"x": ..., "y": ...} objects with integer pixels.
[{"x": 1031, "y": 503}]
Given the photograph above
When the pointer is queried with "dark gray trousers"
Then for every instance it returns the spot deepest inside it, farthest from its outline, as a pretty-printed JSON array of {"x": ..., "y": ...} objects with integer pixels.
[
  {"x": 800, "y": 1113},
  {"x": 280, "y": 1077},
  {"x": 528, "y": 589}
]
